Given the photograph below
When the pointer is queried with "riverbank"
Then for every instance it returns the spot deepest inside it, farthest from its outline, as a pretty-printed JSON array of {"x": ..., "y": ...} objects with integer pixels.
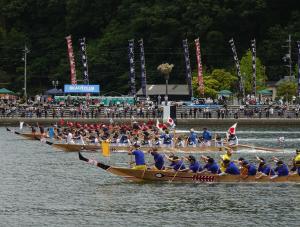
[{"x": 200, "y": 122}]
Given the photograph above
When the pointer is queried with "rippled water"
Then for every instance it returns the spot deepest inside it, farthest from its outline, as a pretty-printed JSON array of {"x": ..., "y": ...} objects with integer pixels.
[{"x": 43, "y": 187}]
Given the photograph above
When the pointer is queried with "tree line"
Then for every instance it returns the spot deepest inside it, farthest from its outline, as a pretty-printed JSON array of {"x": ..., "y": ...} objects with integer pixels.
[{"x": 108, "y": 25}]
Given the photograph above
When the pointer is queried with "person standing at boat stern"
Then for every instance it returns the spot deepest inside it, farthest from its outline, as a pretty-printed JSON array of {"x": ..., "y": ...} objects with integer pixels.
[
  {"x": 158, "y": 159},
  {"x": 139, "y": 157},
  {"x": 207, "y": 137}
]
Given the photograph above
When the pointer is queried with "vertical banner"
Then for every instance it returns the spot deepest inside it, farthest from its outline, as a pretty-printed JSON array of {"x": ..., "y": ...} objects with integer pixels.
[
  {"x": 237, "y": 64},
  {"x": 84, "y": 60},
  {"x": 253, "y": 51},
  {"x": 188, "y": 66},
  {"x": 200, "y": 73},
  {"x": 143, "y": 69},
  {"x": 132, "y": 67},
  {"x": 71, "y": 59},
  {"x": 298, "y": 68}
]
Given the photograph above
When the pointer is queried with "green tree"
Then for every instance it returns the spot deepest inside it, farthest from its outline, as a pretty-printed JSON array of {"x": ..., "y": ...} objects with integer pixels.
[
  {"x": 217, "y": 80},
  {"x": 246, "y": 70},
  {"x": 287, "y": 90}
]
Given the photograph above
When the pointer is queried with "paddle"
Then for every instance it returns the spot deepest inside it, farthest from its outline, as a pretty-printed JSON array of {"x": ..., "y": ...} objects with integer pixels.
[
  {"x": 259, "y": 148},
  {"x": 176, "y": 172}
]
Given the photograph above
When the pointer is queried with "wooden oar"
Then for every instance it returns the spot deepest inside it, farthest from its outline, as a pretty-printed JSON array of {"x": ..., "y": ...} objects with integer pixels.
[{"x": 260, "y": 148}]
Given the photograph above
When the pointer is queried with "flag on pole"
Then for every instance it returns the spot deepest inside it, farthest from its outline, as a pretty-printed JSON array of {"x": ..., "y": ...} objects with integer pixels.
[
  {"x": 200, "y": 73},
  {"x": 71, "y": 59},
  {"x": 143, "y": 68},
  {"x": 188, "y": 66},
  {"x": 237, "y": 64},
  {"x": 171, "y": 122},
  {"x": 84, "y": 60},
  {"x": 298, "y": 68},
  {"x": 105, "y": 148},
  {"x": 132, "y": 67},
  {"x": 253, "y": 51},
  {"x": 232, "y": 130}
]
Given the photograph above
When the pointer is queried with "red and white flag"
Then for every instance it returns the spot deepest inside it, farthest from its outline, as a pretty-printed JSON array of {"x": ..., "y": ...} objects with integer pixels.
[
  {"x": 199, "y": 64},
  {"x": 72, "y": 60},
  {"x": 231, "y": 130},
  {"x": 171, "y": 122}
]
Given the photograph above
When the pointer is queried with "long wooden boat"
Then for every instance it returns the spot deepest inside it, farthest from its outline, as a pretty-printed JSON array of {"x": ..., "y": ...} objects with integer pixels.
[
  {"x": 95, "y": 148},
  {"x": 185, "y": 177},
  {"x": 90, "y": 147}
]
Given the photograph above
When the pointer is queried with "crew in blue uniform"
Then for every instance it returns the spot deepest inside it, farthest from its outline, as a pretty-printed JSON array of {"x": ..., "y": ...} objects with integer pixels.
[
  {"x": 264, "y": 169},
  {"x": 139, "y": 157},
  {"x": 158, "y": 159},
  {"x": 231, "y": 168},
  {"x": 192, "y": 139},
  {"x": 178, "y": 164},
  {"x": 206, "y": 136},
  {"x": 281, "y": 170},
  {"x": 210, "y": 166},
  {"x": 248, "y": 168},
  {"x": 194, "y": 164},
  {"x": 167, "y": 139}
]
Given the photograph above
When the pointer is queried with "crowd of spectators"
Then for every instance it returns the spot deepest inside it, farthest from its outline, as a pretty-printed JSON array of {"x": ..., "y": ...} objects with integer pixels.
[{"x": 201, "y": 108}]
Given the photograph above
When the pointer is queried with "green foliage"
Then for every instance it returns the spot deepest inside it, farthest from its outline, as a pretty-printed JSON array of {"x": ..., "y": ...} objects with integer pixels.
[
  {"x": 107, "y": 26},
  {"x": 217, "y": 80},
  {"x": 246, "y": 70},
  {"x": 287, "y": 90}
]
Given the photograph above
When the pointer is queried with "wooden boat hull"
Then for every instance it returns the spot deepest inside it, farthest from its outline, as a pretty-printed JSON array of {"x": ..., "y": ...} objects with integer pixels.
[
  {"x": 185, "y": 177},
  {"x": 78, "y": 147},
  {"x": 31, "y": 136}
]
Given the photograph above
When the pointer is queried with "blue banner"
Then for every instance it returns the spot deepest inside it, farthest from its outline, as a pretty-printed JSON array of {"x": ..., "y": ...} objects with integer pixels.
[
  {"x": 132, "y": 67},
  {"x": 81, "y": 88}
]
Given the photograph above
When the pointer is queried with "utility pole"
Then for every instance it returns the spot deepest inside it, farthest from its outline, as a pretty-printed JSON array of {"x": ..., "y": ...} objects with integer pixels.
[
  {"x": 26, "y": 51},
  {"x": 288, "y": 56}
]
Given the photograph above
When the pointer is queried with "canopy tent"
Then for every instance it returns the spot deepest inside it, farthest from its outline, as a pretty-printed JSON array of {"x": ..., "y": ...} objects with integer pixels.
[
  {"x": 54, "y": 91},
  {"x": 6, "y": 91},
  {"x": 225, "y": 93},
  {"x": 265, "y": 92}
]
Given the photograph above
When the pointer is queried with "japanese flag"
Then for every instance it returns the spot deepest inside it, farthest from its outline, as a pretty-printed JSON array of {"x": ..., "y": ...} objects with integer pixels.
[
  {"x": 231, "y": 130},
  {"x": 171, "y": 122}
]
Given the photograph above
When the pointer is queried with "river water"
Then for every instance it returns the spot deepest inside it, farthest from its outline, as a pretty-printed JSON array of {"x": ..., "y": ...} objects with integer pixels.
[{"x": 41, "y": 186}]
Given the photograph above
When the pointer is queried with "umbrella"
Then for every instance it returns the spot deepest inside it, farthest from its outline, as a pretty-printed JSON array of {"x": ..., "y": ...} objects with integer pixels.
[
  {"x": 225, "y": 93},
  {"x": 265, "y": 92}
]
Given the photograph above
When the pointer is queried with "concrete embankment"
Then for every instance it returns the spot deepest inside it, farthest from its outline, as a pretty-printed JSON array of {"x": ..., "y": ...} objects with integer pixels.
[{"x": 289, "y": 122}]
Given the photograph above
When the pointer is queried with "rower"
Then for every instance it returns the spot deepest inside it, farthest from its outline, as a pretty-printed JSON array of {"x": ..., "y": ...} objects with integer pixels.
[
  {"x": 167, "y": 139},
  {"x": 281, "y": 169},
  {"x": 51, "y": 131},
  {"x": 146, "y": 140},
  {"x": 70, "y": 138},
  {"x": 296, "y": 163},
  {"x": 176, "y": 163},
  {"x": 248, "y": 169},
  {"x": 124, "y": 140},
  {"x": 211, "y": 166},
  {"x": 264, "y": 169},
  {"x": 139, "y": 157},
  {"x": 157, "y": 142},
  {"x": 207, "y": 137},
  {"x": 218, "y": 141},
  {"x": 232, "y": 139},
  {"x": 231, "y": 168},
  {"x": 194, "y": 164},
  {"x": 192, "y": 138},
  {"x": 179, "y": 142},
  {"x": 158, "y": 159}
]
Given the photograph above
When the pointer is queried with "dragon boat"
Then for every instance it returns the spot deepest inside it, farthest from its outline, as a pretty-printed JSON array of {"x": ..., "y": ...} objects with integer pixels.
[{"x": 150, "y": 175}]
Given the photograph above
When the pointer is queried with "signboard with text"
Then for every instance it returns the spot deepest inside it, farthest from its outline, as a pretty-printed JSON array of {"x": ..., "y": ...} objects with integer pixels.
[{"x": 81, "y": 88}]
